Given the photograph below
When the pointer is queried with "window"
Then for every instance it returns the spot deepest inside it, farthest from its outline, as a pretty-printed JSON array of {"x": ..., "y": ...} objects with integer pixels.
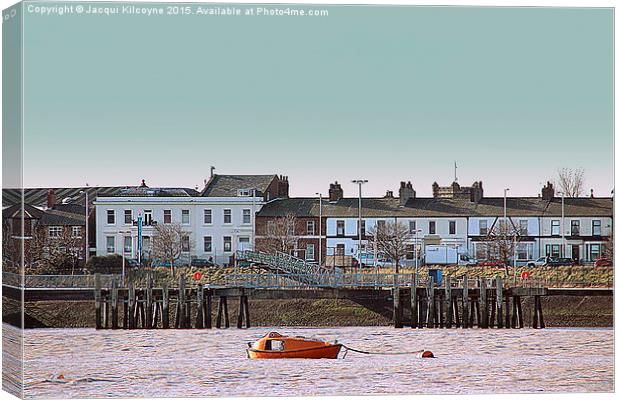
[
  {"x": 523, "y": 227},
  {"x": 109, "y": 244},
  {"x": 522, "y": 251},
  {"x": 431, "y": 227},
  {"x": 76, "y": 231},
  {"x": 228, "y": 216},
  {"x": 411, "y": 226},
  {"x": 244, "y": 243},
  {"x": 148, "y": 218},
  {"x": 340, "y": 228},
  {"x": 452, "y": 226},
  {"x": 167, "y": 216},
  {"x": 208, "y": 216},
  {"x": 552, "y": 250},
  {"x": 574, "y": 228},
  {"x": 208, "y": 244},
  {"x": 146, "y": 243},
  {"x": 185, "y": 243},
  {"x": 380, "y": 225},
  {"x": 128, "y": 217},
  {"x": 595, "y": 251},
  {"x": 244, "y": 192},
  {"x": 555, "y": 227},
  {"x": 340, "y": 249},
  {"x": 309, "y": 252},
  {"x": 247, "y": 216},
  {"x": 127, "y": 244},
  {"x": 227, "y": 243},
  {"x": 409, "y": 255},
  {"x": 483, "y": 227},
  {"x": 185, "y": 217},
  {"x": 55, "y": 231},
  {"x": 110, "y": 217},
  {"x": 310, "y": 228},
  {"x": 596, "y": 227}
]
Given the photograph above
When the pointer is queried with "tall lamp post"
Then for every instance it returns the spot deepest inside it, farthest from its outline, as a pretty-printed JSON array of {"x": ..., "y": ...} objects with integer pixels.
[
  {"x": 359, "y": 183},
  {"x": 563, "y": 253},
  {"x": 86, "y": 225},
  {"x": 320, "y": 228},
  {"x": 122, "y": 233},
  {"x": 415, "y": 250},
  {"x": 505, "y": 229}
]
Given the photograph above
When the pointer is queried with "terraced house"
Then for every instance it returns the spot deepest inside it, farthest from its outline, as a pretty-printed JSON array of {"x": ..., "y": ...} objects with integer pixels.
[{"x": 455, "y": 216}]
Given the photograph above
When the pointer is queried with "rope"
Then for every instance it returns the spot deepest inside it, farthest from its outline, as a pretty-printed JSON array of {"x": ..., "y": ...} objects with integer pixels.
[{"x": 379, "y": 352}]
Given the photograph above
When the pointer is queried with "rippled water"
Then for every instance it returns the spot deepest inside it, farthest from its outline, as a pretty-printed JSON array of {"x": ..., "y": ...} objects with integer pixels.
[{"x": 213, "y": 363}]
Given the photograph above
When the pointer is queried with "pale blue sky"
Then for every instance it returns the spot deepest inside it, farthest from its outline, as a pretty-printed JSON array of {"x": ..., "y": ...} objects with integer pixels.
[{"x": 382, "y": 93}]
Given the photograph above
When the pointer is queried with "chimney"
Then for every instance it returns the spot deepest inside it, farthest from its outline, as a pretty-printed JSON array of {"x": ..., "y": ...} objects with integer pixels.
[
  {"x": 435, "y": 189},
  {"x": 547, "y": 192},
  {"x": 143, "y": 184},
  {"x": 335, "y": 192},
  {"x": 389, "y": 194},
  {"x": 591, "y": 193},
  {"x": 283, "y": 186},
  {"x": 477, "y": 193},
  {"x": 212, "y": 169},
  {"x": 51, "y": 198},
  {"x": 405, "y": 193}
]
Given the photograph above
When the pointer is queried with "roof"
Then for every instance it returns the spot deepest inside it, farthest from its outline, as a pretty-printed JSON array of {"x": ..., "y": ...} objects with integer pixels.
[
  {"x": 145, "y": 191},
  {"x": 385, "y": 207},
  {"x": 37, "y": 197},
  {"x": 55, "y": 217},
  {"x": 228, "y": 185},
  {"x": 14, "y": 211}
]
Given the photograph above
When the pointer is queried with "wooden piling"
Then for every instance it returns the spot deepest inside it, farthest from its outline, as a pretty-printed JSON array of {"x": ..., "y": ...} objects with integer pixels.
[
  {"x": 240, "y": 313},
  {"x": 149, "y": 303},
  {"x": 499, "y": 292},
  {"x": 226, "y": 320},
  {"x": 448, "y": 301},
  {"x": 396, "y": 310},
  {"x": 513, "y": 320},
  {"x": 97, "y": 301},
  {"x": 114, "y": 304},
  {"x": 430, "y": 301},
  {"x": 537, "y": 321},
  {"x": 455, "y": 312},
  {"x": 465, "y": 302},
  {"x": 165, "y": 305},
  {"x": 200, "y": 311},
  {"x": 132, "y": 307},
  {"x": 182, "y": 304},
  {"x": 208, "y": 311},
  {"x": 483, "y": 305},
  {"x": 246, "y": 310},
  {"x": 125, "y": 314},
  {"x": 414, "y": 302},
  {"x": 508, "y": 318}
]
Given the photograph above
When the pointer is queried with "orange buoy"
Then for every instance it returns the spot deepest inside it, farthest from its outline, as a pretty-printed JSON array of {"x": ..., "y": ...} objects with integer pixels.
[{"x": 427, "y": 354}]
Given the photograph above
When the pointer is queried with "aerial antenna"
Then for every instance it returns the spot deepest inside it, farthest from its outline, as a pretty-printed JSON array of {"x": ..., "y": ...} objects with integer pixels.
[{"x": 455, "y": 177}]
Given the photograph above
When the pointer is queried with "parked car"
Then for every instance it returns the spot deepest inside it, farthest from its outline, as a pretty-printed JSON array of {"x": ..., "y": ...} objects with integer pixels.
[
  {"x": 368, "y": 260},
  {"x": 603, "y": 262},
  {"x": 539, "y": 262},
  {"x": 556, "y": 262},
  {"x": 201, "y": 263},
  {"x": 132, "y": 262}
]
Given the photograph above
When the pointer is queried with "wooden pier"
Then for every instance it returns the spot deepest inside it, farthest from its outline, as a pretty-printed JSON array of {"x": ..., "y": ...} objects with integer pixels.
[{"x": 463, "y": 303}]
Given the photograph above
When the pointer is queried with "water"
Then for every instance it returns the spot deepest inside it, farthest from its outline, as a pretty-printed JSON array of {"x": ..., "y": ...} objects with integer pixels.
[{"x": 184, "y": 363}]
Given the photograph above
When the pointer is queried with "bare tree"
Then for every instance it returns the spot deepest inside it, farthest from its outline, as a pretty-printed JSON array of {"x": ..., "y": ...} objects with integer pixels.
[
  {"x": 280, "y": 235},
  {"x": 169, "y": 242},
  {"x": 501, "y": 242},
  {"x": 571, "y": 181},
  {"x": 392, "y": 240},
  {"x": 45, "y": 254}
]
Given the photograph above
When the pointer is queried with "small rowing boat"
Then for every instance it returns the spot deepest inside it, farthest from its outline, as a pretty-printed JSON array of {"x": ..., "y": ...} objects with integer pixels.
[{"x": 274, "y": 345}]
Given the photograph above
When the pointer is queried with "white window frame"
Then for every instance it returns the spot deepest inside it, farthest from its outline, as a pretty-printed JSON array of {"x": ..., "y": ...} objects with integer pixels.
[
  {"x": 169, "y": 214},
  {"x": 185, "y": 213},
  {"x": 54, "y": 232},
  {"x": 110, "y": 249},
  {"x": 450, "y": 223},
  {"x": 110, "y": 213},
  {"x": 207, "y": 212},
  {"x": 246, "y": 212},
  {"x": 227, "y": 212},
  {"x": 310, "y": 228},
  {"x": 130, "y": 217},
  {"x": 227, "y": 240},
  {"x": 480, "y": 227},
  {"x": 310, "y": 253},
  {"x": 412, "y": 226},
  {"x": 78, "y": 229},
  {"x": 204, "y": 244},
  {"x": 127, "y": 249},
  {"x": 555, "y": 227},
  {"x": 599, "y": 227}
]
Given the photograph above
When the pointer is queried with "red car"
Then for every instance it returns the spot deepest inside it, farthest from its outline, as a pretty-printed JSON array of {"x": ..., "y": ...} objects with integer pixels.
[{"x": 603, "y": 262}]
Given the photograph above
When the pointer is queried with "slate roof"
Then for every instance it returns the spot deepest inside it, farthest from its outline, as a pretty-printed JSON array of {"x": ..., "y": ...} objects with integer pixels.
[
  {"x": 55, "y": 217},
  {"x": 440, "y": 207},
  {"x": 227, "y": 185},
  {"x": 144, "y": 191},
  {"x": 37, "y": 197}
]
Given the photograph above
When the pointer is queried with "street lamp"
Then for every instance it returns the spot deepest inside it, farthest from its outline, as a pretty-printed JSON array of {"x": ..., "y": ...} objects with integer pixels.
[
  {"x": 122, "y": 233},
  {"x": 415, "y": 249},
  {"x": 505, "y": 229},
  {"x": 86, "y": 225},
  {"x": 320, "y": 228},
  {"x": 359, "y": 183}
]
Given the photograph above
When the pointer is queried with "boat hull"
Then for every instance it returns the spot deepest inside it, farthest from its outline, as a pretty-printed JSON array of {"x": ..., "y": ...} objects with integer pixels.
[{"x": 327, "y": 351}]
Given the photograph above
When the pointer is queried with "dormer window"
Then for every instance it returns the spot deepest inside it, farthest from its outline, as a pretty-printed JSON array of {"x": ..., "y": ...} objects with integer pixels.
[{"x": 244, "y": 192}]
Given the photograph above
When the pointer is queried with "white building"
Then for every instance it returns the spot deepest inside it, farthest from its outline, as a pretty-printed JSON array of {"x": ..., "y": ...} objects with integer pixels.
[{"x": 218, "y": 220}]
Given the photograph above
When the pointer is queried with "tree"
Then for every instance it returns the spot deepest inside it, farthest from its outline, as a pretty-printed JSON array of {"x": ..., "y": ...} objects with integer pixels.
[
  {"x": 44, "y": 254},
  {"x": 280, "y": 236},
  {"x": 571, "y": 181},
  {"x": 501, "y": 241},
  {"x": 169, "y": 241},
  {"x": 392, "y": 240}
]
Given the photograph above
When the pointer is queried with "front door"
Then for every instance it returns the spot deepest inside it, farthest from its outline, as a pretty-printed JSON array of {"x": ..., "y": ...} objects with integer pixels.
[{"x": 575, "y": 252}]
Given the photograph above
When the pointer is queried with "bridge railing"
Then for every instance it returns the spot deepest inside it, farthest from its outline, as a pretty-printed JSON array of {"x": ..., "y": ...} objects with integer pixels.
[{"x": 56, "y": 281}]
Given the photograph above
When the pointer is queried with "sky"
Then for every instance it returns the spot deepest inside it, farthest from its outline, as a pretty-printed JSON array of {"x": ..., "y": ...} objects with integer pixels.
[{"x": 379, "y": 93}]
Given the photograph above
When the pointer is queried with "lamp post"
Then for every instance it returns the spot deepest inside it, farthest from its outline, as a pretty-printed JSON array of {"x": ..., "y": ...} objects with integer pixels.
[
  {"x": 253, "y": 219},
  {"x": 85, "y": 226},
  {"x": 505, "y": 228},
  {"x": 415, "y": 249},
  {"x": 121, "y": 233},
  {"x": 359, "y": 183},
  {"x": 563, "y": 254},
  {"x": 320, "y": 228}
]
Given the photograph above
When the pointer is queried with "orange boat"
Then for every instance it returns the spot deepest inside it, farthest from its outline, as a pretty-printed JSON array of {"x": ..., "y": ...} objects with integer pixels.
[{"x": 274, "y": 345}]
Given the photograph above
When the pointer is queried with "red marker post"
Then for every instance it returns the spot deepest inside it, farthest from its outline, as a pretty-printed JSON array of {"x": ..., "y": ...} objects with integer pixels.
[
  {"x": 525, "y": 275},
  {"x": 197, "y": 275}
]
